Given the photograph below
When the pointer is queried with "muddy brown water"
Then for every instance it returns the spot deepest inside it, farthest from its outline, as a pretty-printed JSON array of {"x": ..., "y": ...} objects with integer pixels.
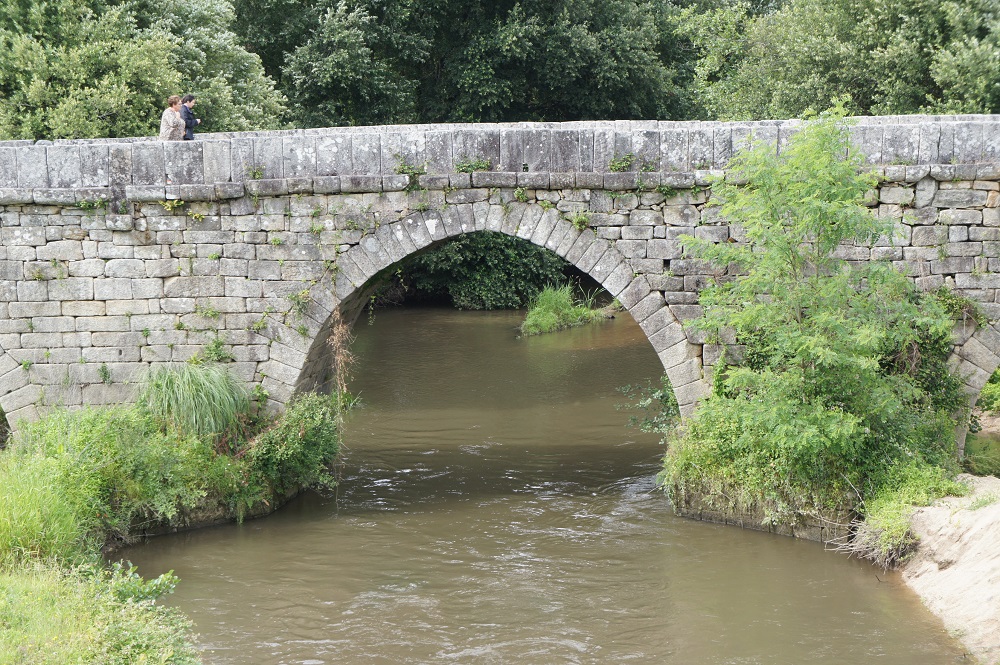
[{"x": 493, "y": 508}]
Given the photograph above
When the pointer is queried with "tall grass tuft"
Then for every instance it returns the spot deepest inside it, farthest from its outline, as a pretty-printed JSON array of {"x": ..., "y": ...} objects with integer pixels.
[
  {"x": 196, "y": 399},
  {"x": 556, "y": 308}
]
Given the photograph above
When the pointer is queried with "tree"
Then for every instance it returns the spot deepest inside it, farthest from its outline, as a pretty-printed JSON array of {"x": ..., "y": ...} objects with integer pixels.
[
  {"x": 484, "y": 270},
  {"x": 843, "y": 379},
  {"x": 104, "y": 69},
  {"x": 72, "y": 72},
  {"x": 889, "y": 56},
  {"x": 234, "y": 93},
  {"x": 338, "y": 78},
  {"x": 378, "y": 61}
]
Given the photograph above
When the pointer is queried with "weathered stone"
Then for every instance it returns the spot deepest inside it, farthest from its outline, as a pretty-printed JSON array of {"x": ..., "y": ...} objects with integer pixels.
[{"x": 959, "y": 198}]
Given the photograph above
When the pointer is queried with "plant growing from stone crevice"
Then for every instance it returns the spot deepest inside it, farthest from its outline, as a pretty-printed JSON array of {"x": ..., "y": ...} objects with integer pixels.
[
  {"x": 472, "y": 165},
  {"x": 412, "y": 172}
]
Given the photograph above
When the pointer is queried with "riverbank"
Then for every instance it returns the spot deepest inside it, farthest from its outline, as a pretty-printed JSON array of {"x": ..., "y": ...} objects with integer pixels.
[
  {"x": 956, "y": 568},
  {"x": 77, "y": 485}
]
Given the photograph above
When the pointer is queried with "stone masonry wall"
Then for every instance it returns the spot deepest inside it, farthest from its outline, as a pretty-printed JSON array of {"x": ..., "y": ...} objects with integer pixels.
[{"x": 117, "y": 256}]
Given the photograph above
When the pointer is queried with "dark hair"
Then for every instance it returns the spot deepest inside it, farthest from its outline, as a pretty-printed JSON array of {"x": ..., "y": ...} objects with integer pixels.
[{"x": 187, "y": 98}]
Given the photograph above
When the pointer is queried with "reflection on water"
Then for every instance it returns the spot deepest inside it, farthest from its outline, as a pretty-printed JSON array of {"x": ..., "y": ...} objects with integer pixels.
[{"x": 493, "y": 509}]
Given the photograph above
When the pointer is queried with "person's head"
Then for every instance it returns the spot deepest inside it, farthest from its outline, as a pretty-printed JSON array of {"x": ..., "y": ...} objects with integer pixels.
[
  {"x": 188, "y": 100},
  {"x": 174, "y": 101}
]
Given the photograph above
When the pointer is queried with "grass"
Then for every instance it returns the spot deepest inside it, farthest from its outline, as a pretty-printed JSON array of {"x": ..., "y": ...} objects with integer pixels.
[
  {"x": 884, "y": 536},
  {"x": 52, "y": 616},
  {"x": 983, "y": 501},
  {"x": 77, "y": 483},
  {"x": 556, "y": 308},
  {"x": 203, "y": 399},
  {"x": 982, "y": 454}
]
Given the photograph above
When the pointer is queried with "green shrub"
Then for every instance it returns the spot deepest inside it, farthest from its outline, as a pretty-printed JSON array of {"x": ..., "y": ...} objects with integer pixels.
[
  {"x": 885, "y": 536},
  {"x": 555, "y": 308},
  {"x": 298, "y": 450},
  {"x": 197, "y": 399},
  {"x": 75, "y": 478},
  {"x": 50, "y": 616},
  {"x": 844, "y": 376},
  {"x": 989, "y": 398}
]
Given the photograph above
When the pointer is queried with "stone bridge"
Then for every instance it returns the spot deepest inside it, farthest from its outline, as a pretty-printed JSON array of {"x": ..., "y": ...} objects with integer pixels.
[{"x": 119, "y": 255}]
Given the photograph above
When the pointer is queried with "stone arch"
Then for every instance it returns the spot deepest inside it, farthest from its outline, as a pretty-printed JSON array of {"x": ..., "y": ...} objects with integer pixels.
[
  {"x": 974, "y": 357},
  {"x": 359, "y": 268}
]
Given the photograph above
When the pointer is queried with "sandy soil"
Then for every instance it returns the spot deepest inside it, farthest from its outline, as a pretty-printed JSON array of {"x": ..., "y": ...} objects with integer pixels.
[{"x": 956, "y": 570}]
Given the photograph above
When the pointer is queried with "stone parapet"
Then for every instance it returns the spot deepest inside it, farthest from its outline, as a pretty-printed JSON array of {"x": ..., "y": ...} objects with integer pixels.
[{"x": 529, "y": 150}]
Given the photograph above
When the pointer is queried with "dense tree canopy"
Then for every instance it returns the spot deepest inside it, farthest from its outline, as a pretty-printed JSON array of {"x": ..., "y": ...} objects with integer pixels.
[
  {"x": 75, "y": 69},
  {"x": 376, "y": 61},
  {"x": 94, "y": 68},
  {"x": 889, "y": 56}
]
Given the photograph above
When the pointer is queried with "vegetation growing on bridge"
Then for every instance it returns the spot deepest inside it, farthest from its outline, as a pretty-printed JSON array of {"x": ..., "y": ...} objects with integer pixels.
[
  {"x": 842, "y": 402},
  {"x": 76, "y": 483}
]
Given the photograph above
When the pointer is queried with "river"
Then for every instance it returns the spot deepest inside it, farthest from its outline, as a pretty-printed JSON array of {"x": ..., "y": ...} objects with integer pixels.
[{"x": 494, "y": 508}]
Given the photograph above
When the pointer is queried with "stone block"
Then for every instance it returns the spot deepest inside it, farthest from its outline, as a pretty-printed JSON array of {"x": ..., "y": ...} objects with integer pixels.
[
  {"x": 964, "y": 217},
  {"x": 896, "y": 195},
  {"x": 683, "y": 215},
  {"x": 959, "y": 198},
  {"x": 32, "y": 168},
  {"x": 929, "y": 236}
]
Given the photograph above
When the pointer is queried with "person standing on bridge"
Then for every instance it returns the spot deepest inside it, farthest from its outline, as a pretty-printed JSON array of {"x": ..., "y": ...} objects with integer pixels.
[
  {"x": 171, "y": 123},
  {"x": 190, "y": 122}
]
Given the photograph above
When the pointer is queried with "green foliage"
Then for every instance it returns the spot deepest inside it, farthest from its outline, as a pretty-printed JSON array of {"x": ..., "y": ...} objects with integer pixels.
[
  {"x": 300, "y": 301},
  {"x": 888, "y": 56},
  {"x": 658, "y": 405},
  {"x": 844, "y": 376},
  {"x": 75, "y": 482},
  {"x": 74, "y": 479},
  {"x": 989, "y": 398},
  {"x": 622, "y": 163},
  {"x": 579, "y": 220},
  {"x": 387, "y": 61},
  {"x": 885, "y": 536},
  {"x": 99, "y": 68},
  {"x": 298, "y": 449},
  {"x": 469, "y": 165},
  {"x": 556, "y": 308},
  {"x": 341, "y": 73},
  {"x": 215, "y": 351},
  {"x": 484, "y": 270},
  {"x": 50, "y": 616},
  {"x": 196, "y": 399},
  {"x": 414, "y": 173}
]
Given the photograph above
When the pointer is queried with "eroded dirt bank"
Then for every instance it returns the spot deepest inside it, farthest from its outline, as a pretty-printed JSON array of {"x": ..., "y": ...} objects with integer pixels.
[{"x": 956, "y": 570}]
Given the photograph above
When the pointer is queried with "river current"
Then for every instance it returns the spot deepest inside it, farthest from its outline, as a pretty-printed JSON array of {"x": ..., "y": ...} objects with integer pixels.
[{"x": 494, "y": 508}]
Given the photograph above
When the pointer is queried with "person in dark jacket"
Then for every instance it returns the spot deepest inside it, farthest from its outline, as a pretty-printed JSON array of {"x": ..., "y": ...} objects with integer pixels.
[{"x": 190, "y": 122}]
